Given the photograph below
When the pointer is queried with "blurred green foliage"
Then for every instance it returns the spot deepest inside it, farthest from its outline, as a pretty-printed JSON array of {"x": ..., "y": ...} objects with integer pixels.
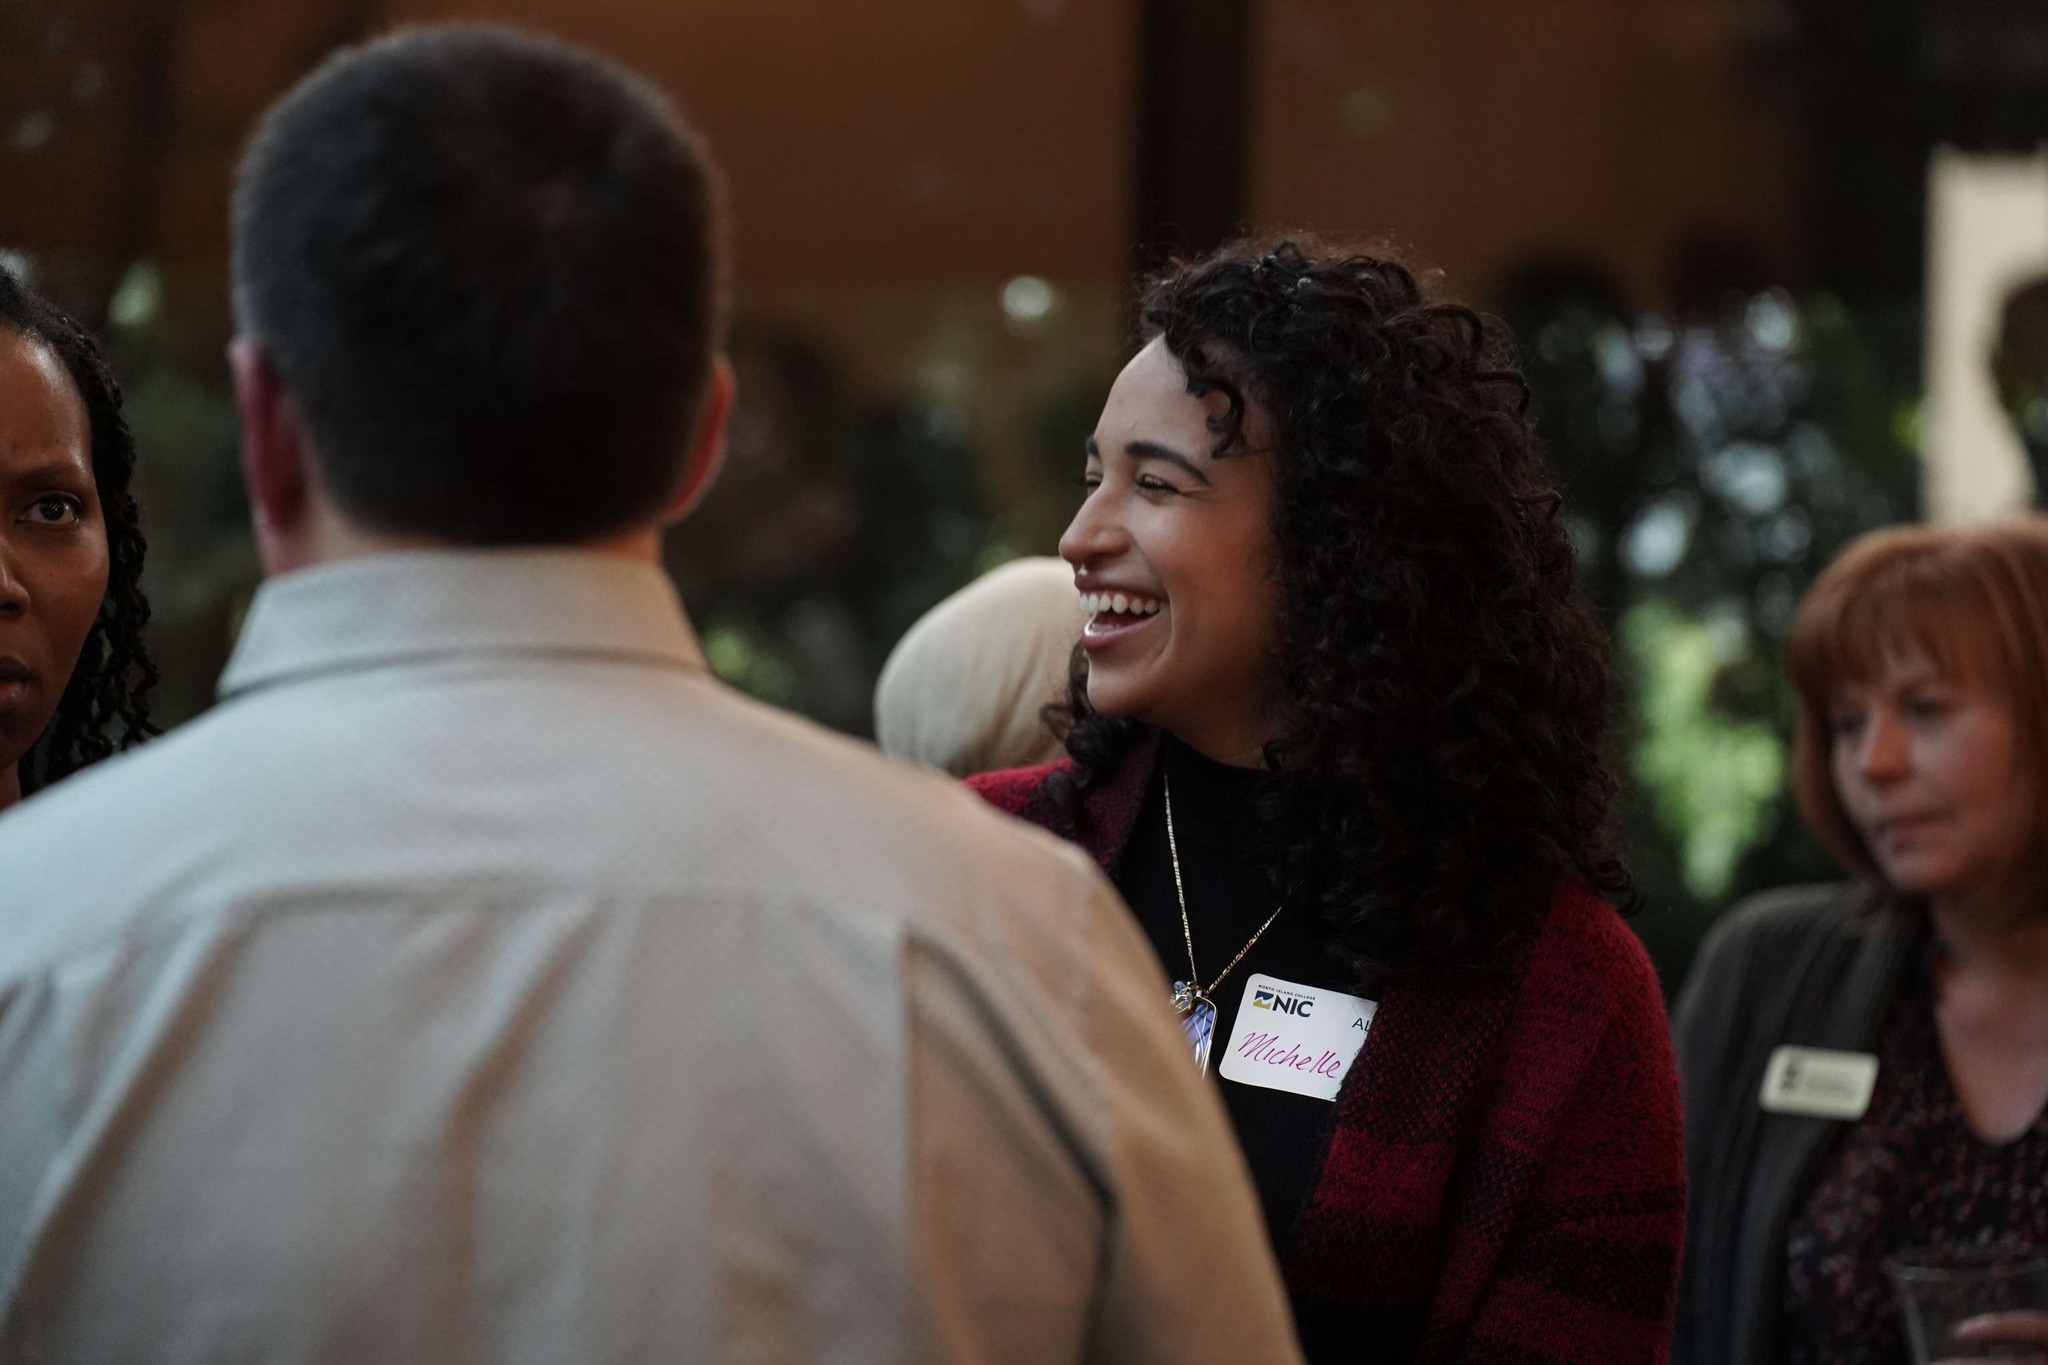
[
  {"x": 1715, "y": 778},
  {"x": 1714, "y": 463},
  {"x": 201, "y": 570}
]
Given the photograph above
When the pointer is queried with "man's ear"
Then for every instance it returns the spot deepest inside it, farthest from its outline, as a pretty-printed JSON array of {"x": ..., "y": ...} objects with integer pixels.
[
  {"x": 707, "y": 443},
  {"x": 273, "y": 447}
]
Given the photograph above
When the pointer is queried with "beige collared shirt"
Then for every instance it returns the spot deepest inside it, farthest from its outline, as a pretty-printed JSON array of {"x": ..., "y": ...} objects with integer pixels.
[{"x": 482, "y": 981}]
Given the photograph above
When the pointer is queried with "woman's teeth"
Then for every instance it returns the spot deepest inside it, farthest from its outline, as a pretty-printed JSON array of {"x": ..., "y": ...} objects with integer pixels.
[{"x": 1120, "y": 604}]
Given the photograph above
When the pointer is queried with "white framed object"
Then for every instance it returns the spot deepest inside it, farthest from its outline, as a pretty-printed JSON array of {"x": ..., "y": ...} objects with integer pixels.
[{"x": 1987, "y": 232}]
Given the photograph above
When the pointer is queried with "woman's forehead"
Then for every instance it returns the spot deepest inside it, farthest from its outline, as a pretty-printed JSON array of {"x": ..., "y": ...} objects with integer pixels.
[
  {"x": 1154, "y": 376},
  {"x": 1906, "y": 668},
  {"x": 1150, "y": 400},
  {"x": 41, "y": 413},
  {"x": 1152, "y": 397}
]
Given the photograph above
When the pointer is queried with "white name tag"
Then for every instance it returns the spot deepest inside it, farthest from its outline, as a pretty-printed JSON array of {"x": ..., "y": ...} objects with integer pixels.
[
  {"x": 1818, "y": 1083},
  {"x": 1298, "y": 1038}
]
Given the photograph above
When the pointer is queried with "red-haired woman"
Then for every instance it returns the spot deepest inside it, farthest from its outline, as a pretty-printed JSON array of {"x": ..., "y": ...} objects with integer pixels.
[
  {"x": 1866, "y": 1065},
  {"x": 1339, "y": 740}
]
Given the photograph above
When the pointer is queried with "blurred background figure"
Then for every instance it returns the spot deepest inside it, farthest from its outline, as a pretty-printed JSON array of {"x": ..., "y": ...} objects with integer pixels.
[
  {"x": 1866, "y": 1063},
  {"x": 74, "y": 664},
  {"x": 963, "y": 691},
  {"x": 2019, "y": 367}
]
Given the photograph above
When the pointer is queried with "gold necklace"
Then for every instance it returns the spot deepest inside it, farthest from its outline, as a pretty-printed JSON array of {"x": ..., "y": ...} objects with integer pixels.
[{"x": 1190, "y": 998}]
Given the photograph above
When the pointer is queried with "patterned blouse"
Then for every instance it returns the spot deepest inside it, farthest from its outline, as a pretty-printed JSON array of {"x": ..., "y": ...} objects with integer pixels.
[{"x": 1909, "y": 1174}]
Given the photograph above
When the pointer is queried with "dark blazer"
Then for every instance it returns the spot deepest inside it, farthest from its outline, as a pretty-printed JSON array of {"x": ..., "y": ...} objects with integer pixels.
[
  {"x": 1504, "y": 1178},
  {"x": 1810, "y": 966}
]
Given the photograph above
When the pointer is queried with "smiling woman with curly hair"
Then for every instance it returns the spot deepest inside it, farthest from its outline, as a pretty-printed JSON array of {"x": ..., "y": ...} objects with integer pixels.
[{"x": 1337, "y": 729}]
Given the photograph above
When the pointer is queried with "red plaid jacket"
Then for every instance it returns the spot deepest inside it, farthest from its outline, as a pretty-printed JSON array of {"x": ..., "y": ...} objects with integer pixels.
[{"x": 1505, "y": 1181}]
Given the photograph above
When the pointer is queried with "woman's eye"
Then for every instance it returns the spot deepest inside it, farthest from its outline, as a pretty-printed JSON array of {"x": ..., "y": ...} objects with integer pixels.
[
  {"x": 1846, "y": 726},
  {"x": 1089, "y": 482},
  {"x": 1151, "y": 483},
  {"x": 58, "y": 509},
  {"x": 1927, "y": 708}
]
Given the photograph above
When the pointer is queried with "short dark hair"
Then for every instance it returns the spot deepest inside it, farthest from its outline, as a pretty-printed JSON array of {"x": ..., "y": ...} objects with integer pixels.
[
  {"x": 105, "y": 705},
  {"x": 488, "y": 268}
]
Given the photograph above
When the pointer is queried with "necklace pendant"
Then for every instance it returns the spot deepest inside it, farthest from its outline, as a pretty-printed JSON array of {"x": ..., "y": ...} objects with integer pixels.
[
  {"x": 1199, "y": 1024},
  {"x": 1197, "y": 1012}
]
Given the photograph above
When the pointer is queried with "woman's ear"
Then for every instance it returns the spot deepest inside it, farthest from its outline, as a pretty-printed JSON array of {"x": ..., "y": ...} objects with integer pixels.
[{"x": 707, "y": 443}]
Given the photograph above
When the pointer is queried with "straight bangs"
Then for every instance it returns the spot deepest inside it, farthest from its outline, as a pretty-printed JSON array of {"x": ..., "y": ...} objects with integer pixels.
[
  {"x": 1893, "y": 596},
  {"x": 1972, "y": 601}
]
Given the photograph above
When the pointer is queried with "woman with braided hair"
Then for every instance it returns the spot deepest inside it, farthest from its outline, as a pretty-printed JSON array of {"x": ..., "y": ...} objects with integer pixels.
[
  {"x": 1337, "y": 729},
  {"x": 74, "y": 673}
]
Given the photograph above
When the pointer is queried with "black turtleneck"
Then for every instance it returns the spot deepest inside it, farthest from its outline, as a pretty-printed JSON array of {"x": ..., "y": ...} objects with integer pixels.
[{"x": 1229, "y": 896}]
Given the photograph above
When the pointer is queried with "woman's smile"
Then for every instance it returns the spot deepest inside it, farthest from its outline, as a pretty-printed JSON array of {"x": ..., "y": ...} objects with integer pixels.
[{"x": 1116, "y": 615}]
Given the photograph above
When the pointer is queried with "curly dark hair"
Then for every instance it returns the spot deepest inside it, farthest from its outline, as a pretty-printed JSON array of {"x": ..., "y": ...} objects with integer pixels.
[
  {"x": 1445, "y": 692},
  {"x": 105, "y": 706}
]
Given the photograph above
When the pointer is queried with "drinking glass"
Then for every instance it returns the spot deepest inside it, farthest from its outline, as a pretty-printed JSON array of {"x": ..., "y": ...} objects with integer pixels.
[{"x": 1940, "y": 1288}]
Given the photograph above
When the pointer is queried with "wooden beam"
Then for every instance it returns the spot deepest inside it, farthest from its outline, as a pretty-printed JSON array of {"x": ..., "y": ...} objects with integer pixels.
[{"x": 1194, "y": 127}]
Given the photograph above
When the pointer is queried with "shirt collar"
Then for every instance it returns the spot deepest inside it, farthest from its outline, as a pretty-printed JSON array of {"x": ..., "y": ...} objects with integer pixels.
[{"x": 418, "y": 604}]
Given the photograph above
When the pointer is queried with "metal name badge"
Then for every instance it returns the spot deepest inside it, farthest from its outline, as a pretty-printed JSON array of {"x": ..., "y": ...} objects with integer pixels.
[{"x": 1818, "y": 1083}]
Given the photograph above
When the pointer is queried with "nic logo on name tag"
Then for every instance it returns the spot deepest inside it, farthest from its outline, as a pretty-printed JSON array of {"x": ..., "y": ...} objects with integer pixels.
[
  {"x": 1818, "y": 1083},
  {"x": 1298, "y": 1038}
]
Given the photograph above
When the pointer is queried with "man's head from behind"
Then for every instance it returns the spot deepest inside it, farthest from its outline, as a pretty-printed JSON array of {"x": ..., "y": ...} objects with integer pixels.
[{"x": 477, "y": 278}]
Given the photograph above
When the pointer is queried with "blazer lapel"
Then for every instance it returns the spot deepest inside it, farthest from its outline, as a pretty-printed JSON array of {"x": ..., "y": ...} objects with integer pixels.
[{"x": 1844, "y": 1014}]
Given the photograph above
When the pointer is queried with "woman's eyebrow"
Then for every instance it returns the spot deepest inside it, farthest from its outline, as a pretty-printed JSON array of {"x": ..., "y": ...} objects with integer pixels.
[
  {"x": 1152, "y": 450},
  {"x": 62, "y": 473}
]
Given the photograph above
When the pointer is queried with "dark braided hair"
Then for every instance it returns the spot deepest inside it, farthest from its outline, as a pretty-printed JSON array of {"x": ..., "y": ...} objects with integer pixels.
[
  {"x": 104, "y": 708},
  {"x": 1445, "y": 693}
]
